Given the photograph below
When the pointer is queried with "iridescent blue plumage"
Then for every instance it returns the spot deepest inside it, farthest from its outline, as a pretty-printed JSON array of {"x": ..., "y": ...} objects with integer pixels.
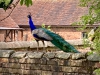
[
  {"x": 46, "y": 35},
  {"x": 32, "y": 26}
]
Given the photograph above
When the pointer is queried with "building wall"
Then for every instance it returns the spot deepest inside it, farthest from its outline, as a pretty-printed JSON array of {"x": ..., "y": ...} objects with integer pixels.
[
  {"x": 66, "y": 33},
  {"x": 2, "y": 35},
  {"x": 70, "y": 35}
]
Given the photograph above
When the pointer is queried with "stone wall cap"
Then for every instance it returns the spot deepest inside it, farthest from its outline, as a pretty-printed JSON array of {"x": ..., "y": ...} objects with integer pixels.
[
  {"x": 35, "y": 54},
  {"x": 6, "y": 53},
  {"x": 63, "y": 55},
  {"x": 33, "y": 44},
  {"x": 49, "y": 55},
  {"x": 94, "y": 57},
  {"x": 19, "y": 54},
  {"x": 78, "y": 55}
]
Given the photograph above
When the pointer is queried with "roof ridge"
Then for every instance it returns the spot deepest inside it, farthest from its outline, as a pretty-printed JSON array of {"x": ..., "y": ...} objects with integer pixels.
[{"x": 8, "y": 22}]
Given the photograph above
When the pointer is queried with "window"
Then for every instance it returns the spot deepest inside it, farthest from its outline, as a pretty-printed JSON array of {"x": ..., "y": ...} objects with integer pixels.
[{"x": 84, "y": 35}]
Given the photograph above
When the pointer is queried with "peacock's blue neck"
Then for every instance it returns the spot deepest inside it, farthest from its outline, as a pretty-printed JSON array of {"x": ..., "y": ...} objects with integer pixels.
[{"x": 32, "y": 26}]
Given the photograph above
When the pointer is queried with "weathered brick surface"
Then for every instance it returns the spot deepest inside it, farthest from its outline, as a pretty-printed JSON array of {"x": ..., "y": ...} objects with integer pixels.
[
  {"x": 46, "y": 64},
  {"x": 52, "y": 62},
  {"x": 35, "y": 66},
  {"x": 57, "y": 73},
  {"x": 43, "y": 61},
  {"x": 46, "y": 73},
  {"x": 46, "y": 67}
]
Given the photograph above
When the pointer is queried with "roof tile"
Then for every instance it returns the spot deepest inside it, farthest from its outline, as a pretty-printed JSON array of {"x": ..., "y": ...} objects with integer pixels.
[
  {"x": 8, "y": 22},
  {"x": 49, "y": 12}
]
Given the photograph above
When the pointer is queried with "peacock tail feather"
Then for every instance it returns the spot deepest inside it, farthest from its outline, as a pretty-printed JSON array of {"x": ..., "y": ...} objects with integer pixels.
[{"x": 59, "y": 42}]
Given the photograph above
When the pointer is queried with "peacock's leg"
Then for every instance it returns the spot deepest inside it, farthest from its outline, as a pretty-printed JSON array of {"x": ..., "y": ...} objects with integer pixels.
[
  {"x": 37, "y": 45},
  {"x": 43, "y": 45}
]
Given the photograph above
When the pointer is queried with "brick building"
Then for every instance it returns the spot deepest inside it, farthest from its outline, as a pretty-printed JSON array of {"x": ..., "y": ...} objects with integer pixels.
[
  {"x": 8, "y": 28},
  {"x": 60, "y": 14}
]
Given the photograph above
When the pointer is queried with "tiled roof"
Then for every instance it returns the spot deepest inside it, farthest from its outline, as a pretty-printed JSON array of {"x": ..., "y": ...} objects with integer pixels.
[
  {"x": 8, "y": 22},
  {"x": 50, "y": 12}
]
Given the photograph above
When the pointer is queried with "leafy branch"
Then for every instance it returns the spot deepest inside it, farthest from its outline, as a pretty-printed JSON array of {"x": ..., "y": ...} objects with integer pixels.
[
  {"x": 6, "y": 4},
  {"x": 11, "y": 11}
]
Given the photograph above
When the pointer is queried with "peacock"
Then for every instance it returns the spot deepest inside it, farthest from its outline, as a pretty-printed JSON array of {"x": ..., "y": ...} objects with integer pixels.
[{"x": 46, "y": 35}]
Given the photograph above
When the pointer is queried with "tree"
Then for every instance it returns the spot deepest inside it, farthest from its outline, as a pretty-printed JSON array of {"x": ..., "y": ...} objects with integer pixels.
[
  {"x": 93, "y": 17},
  {"x": 5, "y": 4},
  {"x": 8, "y": 4}
]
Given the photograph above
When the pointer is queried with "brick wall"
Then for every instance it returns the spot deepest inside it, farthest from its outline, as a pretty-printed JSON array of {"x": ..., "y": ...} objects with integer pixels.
[
  {"x": 70, "y": 35},
  {"x": 66, "y": 33},
  {"x": 2, "y": 34},
  {"x": 49, "y": 63}
]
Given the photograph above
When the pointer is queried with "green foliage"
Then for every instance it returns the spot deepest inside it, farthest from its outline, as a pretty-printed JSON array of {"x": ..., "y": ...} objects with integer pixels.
[
  {"x": 96, "y": 41},
  {"x": 97, "y": 71},
  {"x": 86, "y": 43},
  {"x": 94, "y": 11},
  {"x": 26, "y": 2},
  {"x": 93, "y": 17},
  {"x": 89, "y": 53},
  {"x": 6, "y": 3},
  {"x": 44, "y": 26}
]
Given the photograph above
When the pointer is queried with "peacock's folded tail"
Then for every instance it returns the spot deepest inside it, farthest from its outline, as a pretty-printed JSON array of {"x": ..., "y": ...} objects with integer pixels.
[{"x": 59, "y": 42}]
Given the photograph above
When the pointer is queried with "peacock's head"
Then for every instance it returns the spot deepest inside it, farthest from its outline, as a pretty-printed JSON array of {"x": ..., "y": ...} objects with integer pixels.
[{"x": 29, "y": 16}]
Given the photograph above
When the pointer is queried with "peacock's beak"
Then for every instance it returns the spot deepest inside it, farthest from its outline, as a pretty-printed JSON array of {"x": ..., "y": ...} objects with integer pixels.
[{"x": 28, "y": 16}]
